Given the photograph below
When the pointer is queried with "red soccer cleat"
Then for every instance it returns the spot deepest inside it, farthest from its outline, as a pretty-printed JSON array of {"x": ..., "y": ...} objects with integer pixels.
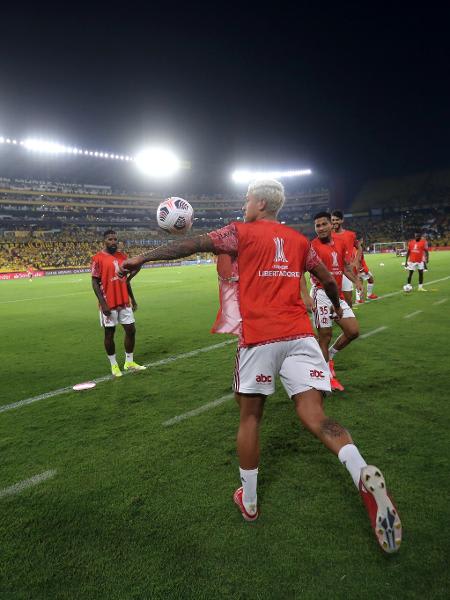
[
  {"x": 237, "y": 499},
  {"x": 331, "y": 367},
  {"x": 383, "y": 514},
  {"x": 361, "y": 301},
  {"x": 372, "y": 297},
  {"x": 336, "y": 385}
]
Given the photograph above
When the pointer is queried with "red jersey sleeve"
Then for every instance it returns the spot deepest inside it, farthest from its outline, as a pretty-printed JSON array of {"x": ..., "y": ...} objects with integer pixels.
[
  {"x": 96, "y": 270},
  {"x": 225, "y": 239},
  {"x": 312, "y": 259}
]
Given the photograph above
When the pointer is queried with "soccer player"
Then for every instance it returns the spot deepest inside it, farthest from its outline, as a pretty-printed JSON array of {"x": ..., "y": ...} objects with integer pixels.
[
  {"x": 116, "y": 301},
  {"x": 333, "y": 253},
  {"x": 416, "y": 257},
  {"x": 365, "y": 275},
  {"x": 349, "y": 237},
  {"x": 276, "y": 338}
]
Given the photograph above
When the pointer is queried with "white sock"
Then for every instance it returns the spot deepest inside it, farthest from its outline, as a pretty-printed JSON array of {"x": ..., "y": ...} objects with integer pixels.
[
  {"x": 331, "y": 352},
  {"x": 351, "y": 458},
  {"x": 129, "y": 357},
  {"x": 249, "y": 479},
  {"x": 358, "y": 295},
  {"x": 370, "y": 288},
  {"x": 112, "y": 359},
  {"x": 420, "y": 286}
]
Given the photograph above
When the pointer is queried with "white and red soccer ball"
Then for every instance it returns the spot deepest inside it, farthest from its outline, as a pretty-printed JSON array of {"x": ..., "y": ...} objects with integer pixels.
[{"x": 175, "y": 215}]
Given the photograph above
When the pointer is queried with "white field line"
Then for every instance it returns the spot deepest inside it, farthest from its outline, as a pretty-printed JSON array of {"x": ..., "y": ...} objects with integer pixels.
[
  {"x": 198, "y": 411},
  {"x": 26, "y": 483},
  {"x": 204, "y": 407},
  {"x": 413, "y": 314},
  {"x": 440, "y": 301},
  {"x": 85, "y": 292},
  {"x": 373, "y": 332},
  {"x": 401, "y": 291},
  {"x": 158, "y": 363}
]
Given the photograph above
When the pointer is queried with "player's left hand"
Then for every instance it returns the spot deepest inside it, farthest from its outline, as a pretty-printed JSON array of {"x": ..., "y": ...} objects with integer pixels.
[
  {"x": 360, "y": 286},
  {"x": 336, "y": 313},
  {"x": 134, "y": 305}
]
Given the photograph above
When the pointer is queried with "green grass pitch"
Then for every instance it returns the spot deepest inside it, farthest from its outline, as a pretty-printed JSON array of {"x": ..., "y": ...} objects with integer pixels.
[{"x": 140, "y": 510}]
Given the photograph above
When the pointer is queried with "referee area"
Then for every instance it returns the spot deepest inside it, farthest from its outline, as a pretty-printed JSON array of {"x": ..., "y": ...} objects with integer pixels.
[{"x": 125, "y": 490}]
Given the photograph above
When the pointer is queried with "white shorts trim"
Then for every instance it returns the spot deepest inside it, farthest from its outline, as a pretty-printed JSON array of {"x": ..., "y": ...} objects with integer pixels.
[
  {"x": 124, "y": 316},
  {"x": 415, "y": 266},
  {"x": 347, "y": 285},
  {"x": 299, "y": 363},
  {"x": 322, "y": 308}
]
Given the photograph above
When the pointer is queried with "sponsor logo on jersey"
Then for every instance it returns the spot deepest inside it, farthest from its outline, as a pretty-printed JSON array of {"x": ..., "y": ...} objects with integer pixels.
[{"x": 334, "y": 256}]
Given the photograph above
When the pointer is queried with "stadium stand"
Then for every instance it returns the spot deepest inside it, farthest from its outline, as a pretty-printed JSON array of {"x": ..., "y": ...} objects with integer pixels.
[{"x": 57, "y": 225}]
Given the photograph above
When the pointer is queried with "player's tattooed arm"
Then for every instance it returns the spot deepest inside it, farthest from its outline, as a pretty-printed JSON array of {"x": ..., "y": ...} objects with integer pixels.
[
  {"x": 329, "y": 285},
  {"x": 178, "y": 249},
  {"x": 350, "y": 274}
]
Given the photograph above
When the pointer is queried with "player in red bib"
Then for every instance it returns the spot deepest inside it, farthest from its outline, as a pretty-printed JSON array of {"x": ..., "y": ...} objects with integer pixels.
[
  {"x": 333, "y": 253},
  {"x": 417, "y": 257},
  {"x": 349, "y": 238},
  {"x": 276, "y": 339},
  {"x": 116, "y": 301},
  {"x": 365, "y": 275}
]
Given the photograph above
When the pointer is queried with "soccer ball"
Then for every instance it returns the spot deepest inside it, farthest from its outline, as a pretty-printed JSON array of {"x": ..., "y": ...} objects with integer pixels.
[
  {"x": 381, "y": 264},
  {"x": 175, "y": 215},
  {"x": 407, "y": 288}
]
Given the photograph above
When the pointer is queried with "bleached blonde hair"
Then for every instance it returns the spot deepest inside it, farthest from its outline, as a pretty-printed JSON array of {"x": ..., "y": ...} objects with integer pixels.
[{"x": 270, "y": 190}]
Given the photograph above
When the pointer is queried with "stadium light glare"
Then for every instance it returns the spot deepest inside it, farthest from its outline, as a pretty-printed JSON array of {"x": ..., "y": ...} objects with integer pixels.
[
  {"x": 244, "y": 176},
  {"x": 157, "y": 162},
  {"x": 44, "y": 146}
]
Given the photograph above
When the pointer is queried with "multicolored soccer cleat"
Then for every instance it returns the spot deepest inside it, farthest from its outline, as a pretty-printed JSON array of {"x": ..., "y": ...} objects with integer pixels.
[
  {"x": 237, "y": 499},
  {"x": 336, "y": 384},
  {"x": 115, "y": 370},
  {"x": 133, "y": 366},
  {"x": 372, "y": 297},
  {"x": 382, "y": 512}
]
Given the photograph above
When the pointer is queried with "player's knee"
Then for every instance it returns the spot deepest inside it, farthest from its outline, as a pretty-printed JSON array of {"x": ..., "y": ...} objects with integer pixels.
[{"x": 353, "y": 334}]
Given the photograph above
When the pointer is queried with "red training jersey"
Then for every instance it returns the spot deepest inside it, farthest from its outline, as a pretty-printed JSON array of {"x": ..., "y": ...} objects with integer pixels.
[
  {"x": 333, "y": 255},
  {"x": 271, "y": 258},
  {"x": 105, "y": 266},
  {"x": 417, "y": 250},
  {"x": 349, "y": 239}
]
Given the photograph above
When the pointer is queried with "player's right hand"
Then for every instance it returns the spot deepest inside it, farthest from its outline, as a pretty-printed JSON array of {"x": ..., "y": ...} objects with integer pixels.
[
  {"x": 106, "y": 310},
  {"x": 129, "y": 266}
]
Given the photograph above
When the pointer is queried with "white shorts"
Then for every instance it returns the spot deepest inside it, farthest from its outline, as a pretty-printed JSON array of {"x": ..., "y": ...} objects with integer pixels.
[
  {"x": 322, "y": 306},
  {"x": 365, "y": 276},
  {"x": 124, "y": 316},
  {"x": 415, "y": 266},
  {"x": 299, "y": 363},
  {"x": 347, "y": 285}
]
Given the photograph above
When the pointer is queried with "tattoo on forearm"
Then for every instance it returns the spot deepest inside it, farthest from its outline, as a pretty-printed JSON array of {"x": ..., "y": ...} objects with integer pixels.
[
  {"x": 332, "y": 428},
  {"x": 180, "y": 249}
]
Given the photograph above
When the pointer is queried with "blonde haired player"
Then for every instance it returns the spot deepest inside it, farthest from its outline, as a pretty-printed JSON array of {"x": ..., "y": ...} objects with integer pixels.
[{"x": 276, "y": 338}]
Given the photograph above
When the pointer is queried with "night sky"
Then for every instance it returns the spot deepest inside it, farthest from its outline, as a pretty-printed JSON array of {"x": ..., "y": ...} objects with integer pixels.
[{"x": 350, "y": 93}]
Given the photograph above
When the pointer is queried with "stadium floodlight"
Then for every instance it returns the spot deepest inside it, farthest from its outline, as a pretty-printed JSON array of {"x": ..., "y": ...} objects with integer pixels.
[
  {"x": 44, "y": 146},
  {"x": 157, "y": 162},
  {"x": 244, "y": 176}
]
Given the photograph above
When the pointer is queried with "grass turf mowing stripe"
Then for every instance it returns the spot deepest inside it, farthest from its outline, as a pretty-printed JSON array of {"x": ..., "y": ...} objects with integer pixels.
[
  {"x": 402, "y": 292},
  {"x": 413, "y": 314},
  {"x": 219, "y": 401},
  {"x": 66, "y": 390},
  {"x": 197, "y": 411},
  {"x": 26, "y": 483}
]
